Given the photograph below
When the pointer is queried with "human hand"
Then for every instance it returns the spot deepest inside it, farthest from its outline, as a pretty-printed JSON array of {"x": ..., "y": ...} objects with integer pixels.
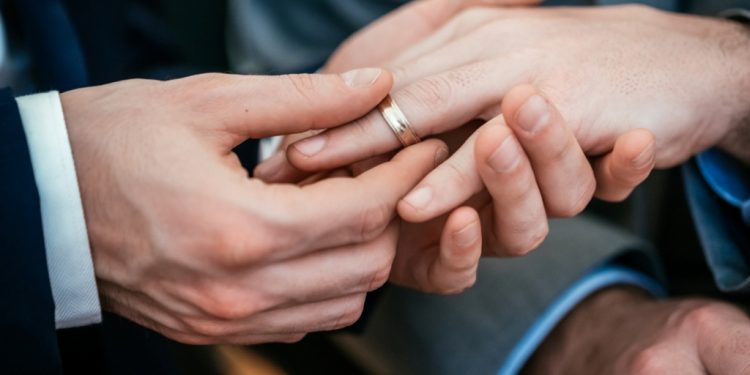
[
  {"x": 396, "y": 32},
  {"x": 366, "y": 48},
  {"x": 685, "y": 82},
  {"x": 444, "y": 89},
  {"x": 185, "y": 243},
  {"x": 622, "y": 331}
]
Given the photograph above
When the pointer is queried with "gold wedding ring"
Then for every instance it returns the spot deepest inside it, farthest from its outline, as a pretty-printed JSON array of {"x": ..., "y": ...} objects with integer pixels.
[{"x": 398, "y": 122}]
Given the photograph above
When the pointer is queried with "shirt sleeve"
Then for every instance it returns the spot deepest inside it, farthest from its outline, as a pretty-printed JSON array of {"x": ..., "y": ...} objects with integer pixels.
[
  {"x": 601, "y": 278},
  {"x": 69, "y": 262},
  {"x": 716, "y": 186},
  {"x": 728, "y": 178}
]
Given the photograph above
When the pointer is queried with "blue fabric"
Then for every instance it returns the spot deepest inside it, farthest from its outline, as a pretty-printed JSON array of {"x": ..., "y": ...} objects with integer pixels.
[
  {"x": 56, "y": 55},
  {"x": 29, "y": 342},
  {"x": 27, "y": 318},
  {"x": 728, "y": 177},
  {"x": 598, "y": 279},
  {"x": 714, "y": 187}
]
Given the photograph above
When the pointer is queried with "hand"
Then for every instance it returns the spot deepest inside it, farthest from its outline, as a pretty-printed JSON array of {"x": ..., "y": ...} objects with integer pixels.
[
  {"x": 185, "y": 243},
  {"x": 622, "y": 331},
  {"x": 454, "y": 76},
  {"x": 679, "y": 76},
  {"x": 384, "y": 39}
]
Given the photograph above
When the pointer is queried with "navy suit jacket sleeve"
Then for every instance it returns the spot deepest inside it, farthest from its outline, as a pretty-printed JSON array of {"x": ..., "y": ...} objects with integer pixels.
[{"x": 28, "y": 341}]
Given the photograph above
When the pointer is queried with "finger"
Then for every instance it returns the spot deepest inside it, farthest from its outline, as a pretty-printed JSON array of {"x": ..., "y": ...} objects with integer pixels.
[
  {"x": 465, "y": 41},
  {"x": 183, "y": 335},
  {"x": 454, "y": 267},
  {"x": 326, "y": 274},
  {"x": 433, "y": 105},
  {"x": 563, "y": 173},
  {"x": 232, "y": 108},
  {"x": 420, "y": 18},
  {"x": 457, "y": 28},
  {"x": 277, "y": 169},
  {"x": 150, "y": 313},
  {"x": 445, "y": 188},
  {"x": 302, "y": 318},
  {"x": 628, "y": 164},
  {"x": 309, "y": 278},
  {"x": 516, "y": 221},
  {"x": 335, "y": 212}
]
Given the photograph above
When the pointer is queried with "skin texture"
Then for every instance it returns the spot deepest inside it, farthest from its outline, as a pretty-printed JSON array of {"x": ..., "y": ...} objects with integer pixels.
[
  {"x": 565, "y": 135},
  {"x": 687, "y": 84},
  {"x": 622, "y": 331},
  {"x": 186, "y": 243}
]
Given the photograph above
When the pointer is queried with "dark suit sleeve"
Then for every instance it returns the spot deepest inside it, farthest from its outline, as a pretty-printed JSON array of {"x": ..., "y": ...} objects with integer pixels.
[{"x": 28, "y": 342}]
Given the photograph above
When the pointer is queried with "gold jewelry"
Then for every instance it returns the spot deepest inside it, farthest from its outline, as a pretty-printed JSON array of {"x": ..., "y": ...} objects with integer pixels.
[{"x": 396, "y": 119}]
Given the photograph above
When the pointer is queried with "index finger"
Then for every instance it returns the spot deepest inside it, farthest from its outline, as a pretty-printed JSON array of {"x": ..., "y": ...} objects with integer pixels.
[
  {"x": 421, "y": 18},
  {"x": 432, "y": 105},
  {"x": 341, "y": 211}
]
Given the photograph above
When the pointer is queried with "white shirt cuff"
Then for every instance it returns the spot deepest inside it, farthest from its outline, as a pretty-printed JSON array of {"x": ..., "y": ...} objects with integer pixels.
[
  {"x": 269, "y": 146},
  {"x": 71, "y": 269}
]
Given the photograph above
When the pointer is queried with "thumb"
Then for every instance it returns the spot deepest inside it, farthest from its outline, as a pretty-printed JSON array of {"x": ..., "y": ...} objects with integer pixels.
[
  {"x": 236, "y": 108},
  {"x": 387, "y": 37}
]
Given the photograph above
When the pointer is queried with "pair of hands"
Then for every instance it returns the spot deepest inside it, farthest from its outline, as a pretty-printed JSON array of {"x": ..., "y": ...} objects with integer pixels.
[
  {"x": 183, "y": 242},
  {"x": 635, "y": 87}
]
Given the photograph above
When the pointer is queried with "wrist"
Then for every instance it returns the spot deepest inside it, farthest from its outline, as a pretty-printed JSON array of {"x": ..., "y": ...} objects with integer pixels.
[
  {"x": 581, "y": 336},
  {"x": 735, "y": 43}
]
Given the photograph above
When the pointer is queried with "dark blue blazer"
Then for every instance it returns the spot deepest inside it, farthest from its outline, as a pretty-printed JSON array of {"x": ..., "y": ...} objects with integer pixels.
[{"x": 114, "y": 39}]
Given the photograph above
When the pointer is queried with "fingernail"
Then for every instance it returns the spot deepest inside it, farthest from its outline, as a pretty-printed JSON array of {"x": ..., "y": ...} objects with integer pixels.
[
  {"x": 646, "y": 156},
  {"x": 507, "y": 156},
  {"x": 270, "y": 167},
  {"x": 534, "y": 114},
  {"x": 466, "y": 236},
  {"x": 419, "y": 198},
  {"x": 441, "y": 155},
  {"x": 361, "y": 77},
  {"x": 311, "y": 146}
]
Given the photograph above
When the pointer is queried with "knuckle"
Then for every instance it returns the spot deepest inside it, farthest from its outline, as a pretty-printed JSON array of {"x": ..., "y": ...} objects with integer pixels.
[
  {"x": 459, "y": 176},
  {"x": 466, "y": 20},
  {"x": 226, "y": 304},
  {"x": 373, "y": 221},
  {"x": 475, "y": 17},
  {"x": 304, "y": 86},
  {"x": 403, "y": 72},
  {"x": 379, "y": 278},
  {"x": 232, "y": 248},
  {"x": 573, "y": 207},
  {"x": 469, "y": 16},
  {"x": 430, "y": 92},
  {"x": 351, "y": 315},
  {"x": 529, "y": 241},
  {"x": 705, "y": 316},
  {"x": 206, "y": 328},
  {"x": 225, "y": 245},
  {"x": 199, "y": 90},
  {"x": 650, "y": 360},
  {"x": 460, "y": 288},
  {"x": 364, "y": 128}
]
